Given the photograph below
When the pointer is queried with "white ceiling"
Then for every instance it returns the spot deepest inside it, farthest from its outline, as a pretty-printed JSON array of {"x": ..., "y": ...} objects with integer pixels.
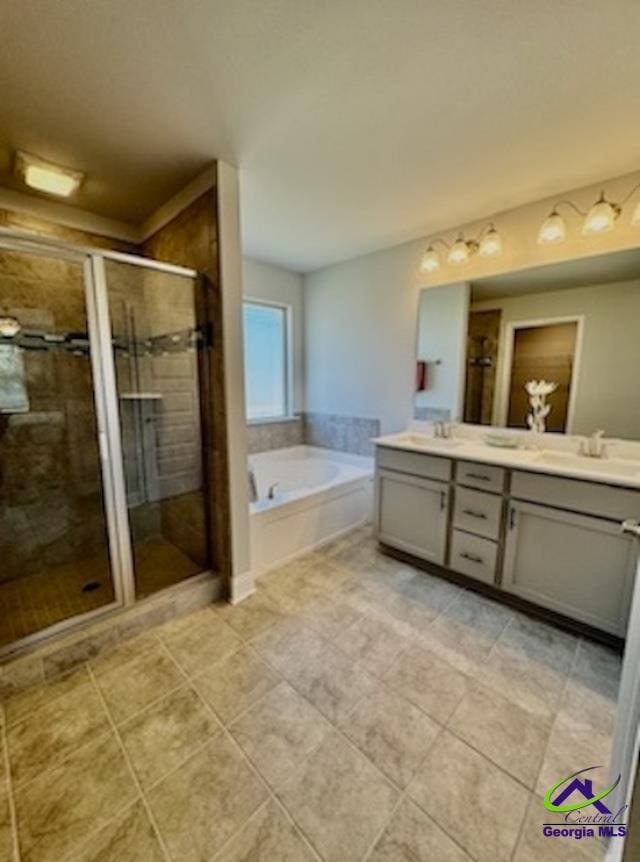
[{"x": 356, "y": 124}]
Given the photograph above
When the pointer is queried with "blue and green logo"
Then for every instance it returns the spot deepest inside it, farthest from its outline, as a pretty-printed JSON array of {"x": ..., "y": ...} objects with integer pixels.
[
  {"x": 571, "y": 796},
  {"x": 581, "y": 786}
]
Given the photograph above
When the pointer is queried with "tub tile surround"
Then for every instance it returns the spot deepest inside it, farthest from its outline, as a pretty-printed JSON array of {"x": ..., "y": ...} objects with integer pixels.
[
  {"x": 274, "y": 741},
  {"x": 350, "y": 434}
]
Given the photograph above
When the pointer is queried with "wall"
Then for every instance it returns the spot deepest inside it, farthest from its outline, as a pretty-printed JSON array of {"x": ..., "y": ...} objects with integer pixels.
[
  {"x": 360, "y": 315},
  {"x": 608, "y": 388},
  {"x": 275, "y": 284},
  {"x": 442, "y": 342}
]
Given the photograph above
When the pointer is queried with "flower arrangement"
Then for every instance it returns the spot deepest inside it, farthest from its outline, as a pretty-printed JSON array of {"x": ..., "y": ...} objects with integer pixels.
[{"x": 538, "y": 390}]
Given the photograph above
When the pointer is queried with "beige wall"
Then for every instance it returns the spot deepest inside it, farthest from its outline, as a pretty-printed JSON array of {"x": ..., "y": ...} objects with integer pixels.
[
  {"x": 361, "y": 315},
  {"x": 608, "y": 385}
]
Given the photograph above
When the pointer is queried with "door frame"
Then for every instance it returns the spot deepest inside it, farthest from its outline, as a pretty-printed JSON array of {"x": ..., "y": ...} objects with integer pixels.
[{"x": 509, "y": 335}]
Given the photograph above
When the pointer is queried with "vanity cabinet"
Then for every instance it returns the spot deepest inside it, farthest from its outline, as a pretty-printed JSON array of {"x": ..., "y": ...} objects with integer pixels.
[
  {"x": 413, "y": 514},
  {"x": 576, "y": 564}
]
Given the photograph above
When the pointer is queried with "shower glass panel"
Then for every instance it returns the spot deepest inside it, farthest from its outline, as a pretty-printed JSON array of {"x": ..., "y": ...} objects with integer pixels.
[
  {"x": 157, "y": 344},
  {"x": 54, "y": 549}
]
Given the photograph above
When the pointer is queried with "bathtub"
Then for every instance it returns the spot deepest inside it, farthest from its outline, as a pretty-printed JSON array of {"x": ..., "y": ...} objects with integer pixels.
[{"x": 319, "y": 494}]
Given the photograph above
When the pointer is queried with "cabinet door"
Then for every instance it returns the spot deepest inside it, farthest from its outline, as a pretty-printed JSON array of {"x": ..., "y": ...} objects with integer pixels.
[
  {"x": 412, "y": 514},
  {"x": 580, "y": 566}
]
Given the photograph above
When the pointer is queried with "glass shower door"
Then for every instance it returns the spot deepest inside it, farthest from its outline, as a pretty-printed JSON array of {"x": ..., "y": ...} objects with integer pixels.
[
  {"x": 54, "y": 545},
  {"x": 156, "y": 345}
]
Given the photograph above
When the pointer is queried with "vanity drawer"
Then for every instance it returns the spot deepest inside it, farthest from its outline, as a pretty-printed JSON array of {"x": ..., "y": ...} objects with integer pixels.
[
  {"x": 483, "y": 476},
  {"x": 473, "y": 556},
  {"x": 477, "y": 512},
  {"x": 606, "y": 501},
  {"x": 414, "y": 463}
]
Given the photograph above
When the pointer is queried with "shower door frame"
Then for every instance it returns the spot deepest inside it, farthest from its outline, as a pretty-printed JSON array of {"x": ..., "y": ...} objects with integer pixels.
[{"x": 107, "y": 411}]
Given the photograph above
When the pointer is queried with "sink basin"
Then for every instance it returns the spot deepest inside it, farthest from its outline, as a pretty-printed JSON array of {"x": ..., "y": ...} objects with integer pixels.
[
  {"x": 423, "y": 442},
  {"x": 603, "y": 466}
]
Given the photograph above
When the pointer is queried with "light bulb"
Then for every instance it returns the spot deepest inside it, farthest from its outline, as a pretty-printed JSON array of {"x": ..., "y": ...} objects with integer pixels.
[
  {"x": 459, "y": 252},
  {"x": 9, "y": 327},
  {"x": 601, "y": 217},
  {"x": 635, "y": 218},
  {"x": 430, "y": 260},
  {"x": 491, "y": 243},
  {"x": 553, "y": 229}
]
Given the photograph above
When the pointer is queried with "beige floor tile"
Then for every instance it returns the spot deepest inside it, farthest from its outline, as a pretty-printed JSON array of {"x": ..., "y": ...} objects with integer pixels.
[
  {"x": 333, "y": 683},
  {"x": 540, "y": 642},
  {"x": 427, "y": 682},
  {"x": 470, "y": 798},
  {"x": 572, "y": 746},
  {"x": 507, "y": 734},
  {"x": 250, "y": 617},
  {"x": 166, "y": 733},
  {"x": 535, "y": 686},
  {"x": 55, "y": 731},
  {"x": 204, "y": 802},
  {"x": 290, "y": 587},
  {"x": 464, "y": 633},
  {"x": 6, "y": 833},
  {"x": 533, "y": 846},
  {"x": 372, "y": 643},
  {"x": 200, "y": 640},
  {"x": 411, "y": 836},
  {"x": 279, "y": 733},
  {"x": 130, "y": 687},
  {"x": 24, "y": 703},
  {"x": 339, "y": 800},
  {"x": 330, "y": 616},
  {"x": 289, "y": 647},
  {"x": 58, "y": 809},
  {"x": 130, "y": 649},
  {"x": 598, "y": 669},
  {"x": 128, "y": 838},
  {"x": 269, "y": 836},
  {"x": 233, "y": 685},
  {"x": 394, "y": 734}
]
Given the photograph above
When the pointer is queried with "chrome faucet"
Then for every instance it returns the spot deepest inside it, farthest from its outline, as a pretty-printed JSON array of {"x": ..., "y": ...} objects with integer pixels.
[
  {"x": 593, "y": 446},
  {"x": 442, "y": 429}
]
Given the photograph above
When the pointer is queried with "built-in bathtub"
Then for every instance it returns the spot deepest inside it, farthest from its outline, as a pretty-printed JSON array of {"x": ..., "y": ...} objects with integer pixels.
[{"x": 318, "y": 495}]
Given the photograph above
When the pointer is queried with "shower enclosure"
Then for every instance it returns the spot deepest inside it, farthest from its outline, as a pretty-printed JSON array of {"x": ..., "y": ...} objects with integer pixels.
[{"x": 102, "y": 492}]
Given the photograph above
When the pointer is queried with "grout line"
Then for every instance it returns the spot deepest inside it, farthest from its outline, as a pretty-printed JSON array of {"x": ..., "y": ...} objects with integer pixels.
[
  {"x": 231, "y": 739},
  {"x": 136, "y": 780},
  {"x": 13, "y": 815}
]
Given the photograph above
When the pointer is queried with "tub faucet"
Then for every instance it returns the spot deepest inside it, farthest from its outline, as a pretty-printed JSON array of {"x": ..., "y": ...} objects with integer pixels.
[
  {"x": 273, "y": 490},
  {"x": 253, "y": 486},
  {"x": 593, "y": 446}
]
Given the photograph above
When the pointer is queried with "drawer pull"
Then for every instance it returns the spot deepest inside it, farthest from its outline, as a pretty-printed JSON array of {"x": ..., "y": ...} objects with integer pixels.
[
  {"x": 479, "y": 476},
  {"x": 443, "y": 500},
  {"x": 512, "y": 518},
  {"x": 473, "y": 514},
  {"x": 471, "y": 557}
]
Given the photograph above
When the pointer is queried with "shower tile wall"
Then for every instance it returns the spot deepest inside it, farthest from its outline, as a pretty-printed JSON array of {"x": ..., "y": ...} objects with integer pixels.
[{"x": 52, "y": 527}]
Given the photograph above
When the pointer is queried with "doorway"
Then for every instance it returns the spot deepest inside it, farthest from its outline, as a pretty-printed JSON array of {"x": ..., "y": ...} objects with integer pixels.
[{"x": 543, "y": 350}]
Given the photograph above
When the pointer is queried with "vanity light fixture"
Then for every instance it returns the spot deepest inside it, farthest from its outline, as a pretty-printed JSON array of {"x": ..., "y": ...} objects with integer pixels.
[
  {"x": 491, "y": 243},
  {"x": 47, "y": 177},
  {"x": 9, "y": 327},
  {"x": 488, "y": 243},
  {"x": 600, "y": 218}
]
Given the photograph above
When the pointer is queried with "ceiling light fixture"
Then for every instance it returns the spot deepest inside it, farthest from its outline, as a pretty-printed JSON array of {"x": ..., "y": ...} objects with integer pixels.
[
  {"x": 553, "y": 229},
  {"x": 461, "y": 250},
  {"x": 600, "y": 218},
  {"x": 47, "y": 177},
  {"x": 9, "y": 327},
  {"x": 491, "y": 243},
  {"x": 488, "y": 243}
]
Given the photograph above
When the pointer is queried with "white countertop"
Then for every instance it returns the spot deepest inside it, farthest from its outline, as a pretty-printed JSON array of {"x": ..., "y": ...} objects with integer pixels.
[{"x": 555, "y": 462}]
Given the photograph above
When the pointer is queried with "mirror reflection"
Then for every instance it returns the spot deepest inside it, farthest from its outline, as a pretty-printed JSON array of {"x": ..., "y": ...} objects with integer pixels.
[{"x": 556, "y": 344}]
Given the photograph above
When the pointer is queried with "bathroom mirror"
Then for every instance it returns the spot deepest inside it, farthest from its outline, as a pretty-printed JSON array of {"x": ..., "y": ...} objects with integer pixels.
[{"x": 574, "y": 324}]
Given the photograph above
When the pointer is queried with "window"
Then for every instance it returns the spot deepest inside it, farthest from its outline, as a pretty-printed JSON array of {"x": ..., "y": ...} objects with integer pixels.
[{"x": 266, "y": 359}]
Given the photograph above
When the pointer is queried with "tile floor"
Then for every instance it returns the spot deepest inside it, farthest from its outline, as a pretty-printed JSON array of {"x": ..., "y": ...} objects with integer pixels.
[{"x": 354, "y": 708}]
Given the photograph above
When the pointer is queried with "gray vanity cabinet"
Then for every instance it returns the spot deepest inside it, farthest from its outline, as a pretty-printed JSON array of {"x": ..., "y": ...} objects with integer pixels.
[
  {"x": 575, "y": 564},
  {"x": 413, "y": 514}
]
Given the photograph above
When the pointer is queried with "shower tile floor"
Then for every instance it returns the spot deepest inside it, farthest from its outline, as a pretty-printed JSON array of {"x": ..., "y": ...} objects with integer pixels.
[
  {"x": 354, "y": 708},
  {"x": 34, "y": 602}
]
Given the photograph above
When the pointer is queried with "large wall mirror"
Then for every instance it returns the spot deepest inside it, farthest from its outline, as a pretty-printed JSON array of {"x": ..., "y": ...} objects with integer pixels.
[{"x": 575, "y": 324}]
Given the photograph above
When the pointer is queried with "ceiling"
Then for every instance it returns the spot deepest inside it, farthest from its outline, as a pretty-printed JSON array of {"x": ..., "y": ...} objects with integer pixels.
[
  {"x": 581, "y": 272},
  {"x": 356, "y": 125}
]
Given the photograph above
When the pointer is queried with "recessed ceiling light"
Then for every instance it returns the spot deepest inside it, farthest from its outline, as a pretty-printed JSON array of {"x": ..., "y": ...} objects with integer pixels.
[{"x": 46, "y": 177}]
